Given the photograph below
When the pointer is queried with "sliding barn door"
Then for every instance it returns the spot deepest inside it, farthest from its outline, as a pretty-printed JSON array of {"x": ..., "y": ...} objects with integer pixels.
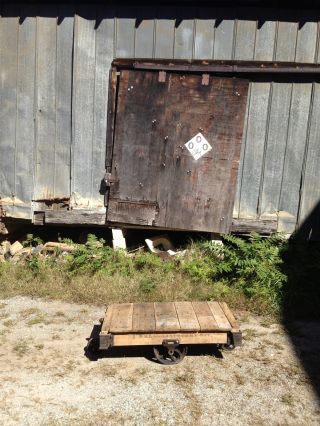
[{"x": 176, "y": 150}]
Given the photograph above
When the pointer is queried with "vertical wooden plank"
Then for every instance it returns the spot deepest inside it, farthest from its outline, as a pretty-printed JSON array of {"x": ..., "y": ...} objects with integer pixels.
[
  {"x": 204, "y": 37},
  {"x": 83, "y": 107},
  {"x": 144, "y": 34},
  {"x": 8, "y": 101},
  {"x": 46, "y": 104},
  {"x": 63, "y": 102},
  {"x": 125, "y": 36},
  {"x": 219, "y": 315},
  {"x": 275, "y": 149},
  {"x": 187, "y": 318},
  {"x": 317, "y": 55},
  {"x": 245, "y": 39},
  {"x": 104, "y": 57},
  {"x": 25, "y": 130},
  {"x": 236, "y": 205},
  {"x": 224, "y": 36},
  {"x": 166, "y": 317},
  {"x": 307, "y": 42},
  {"x": 164, "y": 38},
  {"x": 107, "y": 319},
  {"x": 112, "y": 94},
  {"x": 143, "y": 319},
  {"x": 310, "y": 192},
  {"x": 245, "y": 33},
  {"x": 257, "y": 123},
  {"x": 265, "y": 41},
  {"x": 294, "y": 156},
  {"x": 286, "y": 41},
  {"x": 253, "y": 156},
  {"x": 121, "y": 321},
  {"x": 204, "y": 316},
  {"x": 244, "y": 50},
  {"x": 184, "y": 38}
]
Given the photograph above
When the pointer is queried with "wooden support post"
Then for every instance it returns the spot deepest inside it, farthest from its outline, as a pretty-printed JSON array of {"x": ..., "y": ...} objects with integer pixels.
[
  {"x": 118, "y": 239},
  {"x": 216, "y": 238}
]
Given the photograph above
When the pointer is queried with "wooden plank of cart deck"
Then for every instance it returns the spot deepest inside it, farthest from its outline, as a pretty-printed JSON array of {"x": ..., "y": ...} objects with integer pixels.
[
  {"x": 107, "y": 319},
  {"x": 158, "y": 338},
  {"x": 166, "y": 317},
  {"x": 121, "y": 321},
  {"x": 230, "y": 316},
  {"x": 143, "y": 319},
  {"x": 219, "y": 316},
  {"x": 187, "y": 317},
  {"x": 204, "y": 316}
]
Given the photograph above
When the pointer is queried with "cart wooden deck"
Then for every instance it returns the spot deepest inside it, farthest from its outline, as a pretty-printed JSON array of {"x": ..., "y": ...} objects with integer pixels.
[{"x": 129, "y": 324}]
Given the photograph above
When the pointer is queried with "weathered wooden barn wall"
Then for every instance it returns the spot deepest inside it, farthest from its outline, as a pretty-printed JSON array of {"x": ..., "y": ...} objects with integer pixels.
[{"x": 54, "y": 64}]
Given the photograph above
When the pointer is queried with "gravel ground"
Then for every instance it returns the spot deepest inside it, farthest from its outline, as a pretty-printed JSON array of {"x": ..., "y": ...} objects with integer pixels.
[{"x": 47, "y": 380}]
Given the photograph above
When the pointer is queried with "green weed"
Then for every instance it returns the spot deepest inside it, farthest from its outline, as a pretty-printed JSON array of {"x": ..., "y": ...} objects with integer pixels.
[
  {"x": 264, "y": 275},
  {"x": 32, "y": 241}
]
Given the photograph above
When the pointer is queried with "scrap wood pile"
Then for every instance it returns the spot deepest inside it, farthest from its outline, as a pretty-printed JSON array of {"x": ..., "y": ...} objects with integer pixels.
[{"x": 16, "y": 251}]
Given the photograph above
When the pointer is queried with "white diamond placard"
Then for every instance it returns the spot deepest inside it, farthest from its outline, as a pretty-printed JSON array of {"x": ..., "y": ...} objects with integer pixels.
[{"x": 198, "y": 146}]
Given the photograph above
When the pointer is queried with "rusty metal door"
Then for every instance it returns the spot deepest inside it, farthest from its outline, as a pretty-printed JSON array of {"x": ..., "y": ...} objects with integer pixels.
[{"x": 176, "y": 150}]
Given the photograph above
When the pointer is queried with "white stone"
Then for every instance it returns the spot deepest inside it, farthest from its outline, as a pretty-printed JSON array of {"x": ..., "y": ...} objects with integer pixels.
[{"x": 15, "y": 248}]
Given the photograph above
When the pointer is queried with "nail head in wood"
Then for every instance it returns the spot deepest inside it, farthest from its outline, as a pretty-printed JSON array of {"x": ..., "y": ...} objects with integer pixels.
[{"x": 205, "y": 80}]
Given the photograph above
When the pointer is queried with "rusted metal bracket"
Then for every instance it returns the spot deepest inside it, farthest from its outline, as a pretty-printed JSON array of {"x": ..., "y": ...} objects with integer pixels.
[
  {"x": 105, "y": 341},
  {"x": 235, "y": 338},
  {"x": 205, "y": 79},
  {"x": 170, "y": 344},
  {"x": 162, "y": 77}
]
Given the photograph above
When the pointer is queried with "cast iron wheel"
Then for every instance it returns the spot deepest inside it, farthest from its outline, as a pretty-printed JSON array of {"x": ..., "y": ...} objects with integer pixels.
[{"x": 170, "y": 356}]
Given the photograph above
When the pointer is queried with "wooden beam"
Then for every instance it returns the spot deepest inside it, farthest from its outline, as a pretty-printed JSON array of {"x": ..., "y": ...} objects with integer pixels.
[
  {"x": 38, "y": 218},
  {"x": 228, "y": 66},
  {"x": 158, "y": 338},
  {"x": 246, "y": 226},
  {"x": 75, "y": 217}
]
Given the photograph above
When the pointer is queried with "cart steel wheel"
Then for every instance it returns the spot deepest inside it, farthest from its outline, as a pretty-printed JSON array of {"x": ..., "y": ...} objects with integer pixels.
[{"x": 170, "y": 356}]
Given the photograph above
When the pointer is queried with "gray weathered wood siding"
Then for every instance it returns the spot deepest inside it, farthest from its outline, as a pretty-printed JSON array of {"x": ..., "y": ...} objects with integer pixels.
[{"x": 54, "y": 64}]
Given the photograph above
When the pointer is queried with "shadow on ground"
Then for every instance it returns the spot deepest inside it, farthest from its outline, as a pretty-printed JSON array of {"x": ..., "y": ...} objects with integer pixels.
[{"x": 301, "y": 296}]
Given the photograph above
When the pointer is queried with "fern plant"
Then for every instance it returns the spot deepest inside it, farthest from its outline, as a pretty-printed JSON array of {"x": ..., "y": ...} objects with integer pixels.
[{"x": 254, "y": 264}]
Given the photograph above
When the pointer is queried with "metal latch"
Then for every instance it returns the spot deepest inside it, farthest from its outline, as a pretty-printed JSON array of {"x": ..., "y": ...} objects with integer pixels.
[{"x": 109, "y": 179}]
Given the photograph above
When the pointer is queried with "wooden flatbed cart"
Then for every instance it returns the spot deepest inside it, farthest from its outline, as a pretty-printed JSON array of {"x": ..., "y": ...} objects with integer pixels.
[{"x": 169, "y": 327}]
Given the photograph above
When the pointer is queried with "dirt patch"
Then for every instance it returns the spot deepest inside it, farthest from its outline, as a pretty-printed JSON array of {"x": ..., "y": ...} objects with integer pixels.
[{"x": 47, "y": 379}]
